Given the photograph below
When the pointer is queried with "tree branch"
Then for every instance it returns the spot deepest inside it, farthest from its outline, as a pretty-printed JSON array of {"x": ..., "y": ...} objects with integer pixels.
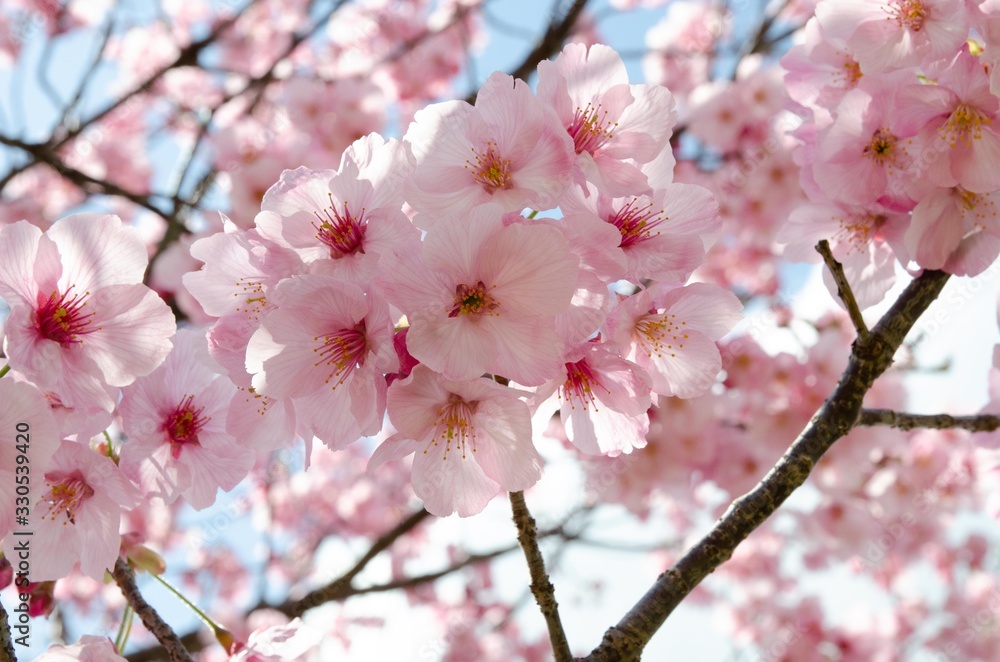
[
  {"x": 342, "y": 585},
  {"x": 903, "y": 421},
  {"x": 870, "y": 357},
  {"x": 844, "y": 290},
  {"x": 6, "y": 642},
  {"x": 541, "y": 587},
  {"x": 548, "y": 45},
  {"x": 157, "y": 626}
]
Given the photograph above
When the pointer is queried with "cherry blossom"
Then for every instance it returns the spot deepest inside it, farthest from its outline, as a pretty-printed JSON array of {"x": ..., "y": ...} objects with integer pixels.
[
  {"x": 671, "y": 334},
  {"x": 75, "y": 520},
  {"x": 614, "y": 125},
  {"x": 80, "y": 317},
  {"x": 175, "y": 420},
  {"x": 508, "y": 150},
  {"x": 483, "y": 297},
  {"x": 88, "y": 649},
  {"x": 470, "y": 440},
  {"x": 327, "y": 346}
]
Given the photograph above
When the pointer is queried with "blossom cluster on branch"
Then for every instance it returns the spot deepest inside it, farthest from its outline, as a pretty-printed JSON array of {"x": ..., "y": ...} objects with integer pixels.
[{"x": 428, "y": 304}]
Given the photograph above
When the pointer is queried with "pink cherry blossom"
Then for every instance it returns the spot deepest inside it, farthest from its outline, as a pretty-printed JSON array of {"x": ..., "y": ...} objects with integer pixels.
[
  {"x": 865, "y": 239},
  {"x": 508, "y": 149},
  {"x": 76, "y": 519},
  {"x": 175, "y": 419},
  {"x": 659, "y": 235},
  {"x": 947, "y": 218},
  {"x": 483, "y": 297},
  {"x": 80, "y": 317},
  {"x": 88, "y": 649},
  {"x": 865, "y": 156},
  {"x": 341, "y": 222},
  {"x": 614, "y": 125},
  {"x": 671, "y": 334},
  {"x": 327, "y": 345},
  {"x": 471, "y": 439},
  {"x": 954, "y": 121},
  {"x": 889, "y": 35},
  {"x": 602, "y": 399},
  {"x": 820, "y": 70},
  {"x": 279, "y": 643}
]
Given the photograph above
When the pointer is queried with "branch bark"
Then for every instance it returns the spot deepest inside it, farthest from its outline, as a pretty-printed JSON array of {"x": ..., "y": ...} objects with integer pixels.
[
  {"x": 903, "y": 421},
  {"x": 870, "y": 357},
  {"x": 157, "y": 626},
  {"x": 6, "y": 642},
  {"x": 541, "y": 586}
]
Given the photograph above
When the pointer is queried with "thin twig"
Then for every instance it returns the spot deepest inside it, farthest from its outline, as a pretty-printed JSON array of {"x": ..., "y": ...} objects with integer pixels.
[
  {"x": 548, "y": 45},
  {"x": 342, "y": 584},
  {"x": 843, "y": 288},
  {"x": 541, "y": 587},
  {"x": 903, "y": 421},
  {"x": 870, "y": 357},
  {"x": 157, "y": 626}
]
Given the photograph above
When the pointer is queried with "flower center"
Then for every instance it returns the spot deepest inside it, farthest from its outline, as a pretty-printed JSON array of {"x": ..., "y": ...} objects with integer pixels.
[
  {"x": 342, "y": 233},
  {"x": 909, "y": 14},
  {"x": 977, "y": 210},
  {"x": 590, "y": 129},
  {"x": 473, "y": 300},
  {"x": 489, "y": 170},
  {"x": 66, "y": 493},
  {"x": 183, "y": 425},
  {"x": 580, "y": 380},
  {"x": 455, "y": 426},
  {"x": 881, "y": 150},
  {"x": 852, "y": 72},
  {"x": 255, "y": 299},
  {"x": 637, "y": 223},
  {"x": 965, "y": 123},
  {"x": 660, "y": 334},
  {"x": 343, "y": 351},
  {"x": 858, "y": 230},
  {"x": 61, "y": 317}
]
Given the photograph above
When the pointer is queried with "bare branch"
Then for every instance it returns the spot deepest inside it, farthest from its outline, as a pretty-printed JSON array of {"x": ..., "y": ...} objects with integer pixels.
[
  {"x": 548, "y": 45},
  {"x": 843, "y": 288},
  {"x": 541, "y": 587},
  {"x": 870, "y": 357},
  {"x": 157, "y": 626},
  {"x": 903, "y": 421},
  {"x": 342, "y": 585}
]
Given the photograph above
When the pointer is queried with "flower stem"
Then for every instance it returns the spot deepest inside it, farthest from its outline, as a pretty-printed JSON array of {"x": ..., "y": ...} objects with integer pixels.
[
  {"x": 4, "y": 370},
  {"x": 215, "y": 627},
  {"x": 124, "y": 629}
]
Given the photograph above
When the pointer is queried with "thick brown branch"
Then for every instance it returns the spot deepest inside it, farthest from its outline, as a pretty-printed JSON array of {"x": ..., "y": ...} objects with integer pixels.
[
  {"x": 541, "y": 587},
  {"x": 171, "y": 643},
  {"x": 6, "y": 642},
  {"x": 870, "y": 357},
  {"x": 844, "y": 290},
  {"x": 903, "y": 421}
]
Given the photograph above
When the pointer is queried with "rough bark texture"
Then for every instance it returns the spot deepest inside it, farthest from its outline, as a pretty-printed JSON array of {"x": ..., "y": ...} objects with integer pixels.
[{"x": 157, "y": 626}]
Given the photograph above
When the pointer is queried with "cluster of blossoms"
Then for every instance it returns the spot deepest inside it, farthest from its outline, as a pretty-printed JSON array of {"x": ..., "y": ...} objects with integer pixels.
[
  {"x": 421, "y": 279},
  {"x": 899, "y": 149}
]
